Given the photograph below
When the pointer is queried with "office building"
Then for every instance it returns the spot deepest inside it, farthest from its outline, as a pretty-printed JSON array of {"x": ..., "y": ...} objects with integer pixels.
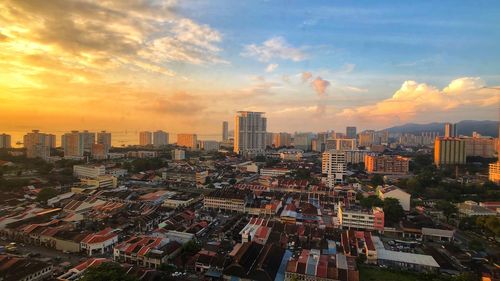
[
  {"x": 74, "y": 144},
  {"x": 145, "y": 138},
  {"x": 387, "y": 164},
  {"x": 38, "y": 144},
  {"x": 250, "y": 130},
  {"x": 225, "y": 132},
  {"x": 303, "y": 141},
  {"x": 282, "y": 139},
  {"x": 187, "y": 140},
  {"x": 333, "y": 167},
  {"x": 5, "y": 141},
  {"x": 89, "y": 171},
  {"x": 160, "y": 138},
  {"x": 104, "y": 138},
  {"x": 450, "y": 130},
  {"x": 449, "y": 151},
  {"x": 350, "y": 132}
]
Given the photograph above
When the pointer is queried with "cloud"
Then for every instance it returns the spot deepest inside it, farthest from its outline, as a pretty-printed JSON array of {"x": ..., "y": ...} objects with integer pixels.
[
  {"x": 271, "y": 67},
  {"x": 319, "y": 85},
  {"x": 306, "y": 76},
  {"x": 274, "y": 48},
  {"x": 414, "y": 99},
  {"x": 105, "y": 35}
]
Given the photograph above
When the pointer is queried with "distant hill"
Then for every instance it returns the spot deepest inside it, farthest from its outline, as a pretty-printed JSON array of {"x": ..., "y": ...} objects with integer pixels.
[{"x": 465, "y": 127}]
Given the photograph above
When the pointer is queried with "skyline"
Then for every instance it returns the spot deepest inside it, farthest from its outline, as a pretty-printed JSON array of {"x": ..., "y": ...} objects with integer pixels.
[{"x": 187, "y": 66}]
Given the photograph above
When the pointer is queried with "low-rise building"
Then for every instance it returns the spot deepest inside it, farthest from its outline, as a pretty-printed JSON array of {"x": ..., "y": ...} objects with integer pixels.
[
  {"x": 387, "y": 164},
  {"x": 146, "y": 251},
  {"x": 471, "y": 208},
  {"x": 494, "y": 172},
  {"x": 106, "y": 181},
  {"x": 21, "y": 269},
  {"x": 229, "y": 199},
  {"x": 391, "y": 191},
  {"x": 89, "y": 171},
  {"x": 356, "y": 218},
  {"x": 100, "y": 242},
  {"x": 273, "y": 172}
]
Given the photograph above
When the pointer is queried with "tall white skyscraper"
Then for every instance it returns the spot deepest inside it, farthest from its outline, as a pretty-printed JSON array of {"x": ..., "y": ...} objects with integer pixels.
[
  {"x": 333, "y": 167},
  {"x": 160, "y": 138},
  {"x": 249, "y": 132},
  {"x": 88, "y": 140},
  {"x": 225, "y": 133}
]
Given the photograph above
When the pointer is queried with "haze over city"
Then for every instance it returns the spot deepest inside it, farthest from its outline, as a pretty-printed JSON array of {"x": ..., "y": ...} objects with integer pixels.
[{"x": 185, "y": 65}]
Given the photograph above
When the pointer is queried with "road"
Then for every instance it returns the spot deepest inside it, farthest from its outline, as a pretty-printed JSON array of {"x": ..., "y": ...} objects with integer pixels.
[{"x": 73, "y": 258}]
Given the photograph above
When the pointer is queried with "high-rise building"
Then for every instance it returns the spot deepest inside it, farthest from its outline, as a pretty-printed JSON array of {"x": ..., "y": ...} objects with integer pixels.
[
  {"x": 480, "y": 146},
  {"x": 145, "y": 138},
  {"x": 187, "y": 140},
  {"x": 321, "y": 141},
  {"x": 99, "y": 151},
  {"x": 449, "y": 151},
  {"x": 160, "y": 138},
  {"x": 494, "y": 172},
  {"x": 88, "y": 140},
  {"x": 303, "y": 141},
  {"x": 225, "y": 132},
  {"x": 450, "y": 130},
  {"x": 282, "y": 139},
  {"x": 209, "y": 145},
  {"x": 387, "y": 164},
  {"x": 366, "y": 138},
  {"x": 249, "y": 132},
  {"x": 341, "y": 144},
  {"x": 104, "y": 138},
  {"x": 5, "y": 141},
  {"x": 74, "y": 143},
  {"x": 333, "y": 167},
  {"x": 38, "y": 144},
  {"x": 350, "y": 132}
]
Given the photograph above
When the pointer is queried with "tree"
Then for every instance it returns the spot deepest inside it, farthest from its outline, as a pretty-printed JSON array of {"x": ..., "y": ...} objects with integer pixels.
[
  {"x": 377, "y": 180},
  {"x": 370, "y": 202},
  {"x": 45, "y": 194},
  {"x": 447, "y": 208},
  {"x": 108, "y": 271},
  {"x": 393, "y": 212}
]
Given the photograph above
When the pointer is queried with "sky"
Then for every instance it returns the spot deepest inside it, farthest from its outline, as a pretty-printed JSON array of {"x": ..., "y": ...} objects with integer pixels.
[{"x": 185, "y": 66}]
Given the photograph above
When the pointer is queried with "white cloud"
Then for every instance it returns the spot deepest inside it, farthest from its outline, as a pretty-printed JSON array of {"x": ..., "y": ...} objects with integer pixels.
[
  {"x": 306, "y": 76},
  {"x": 274, "y": 48},
  {"x": 415, "y": 99},
  {"x": 271, "y": 67},
  {"x": 319, "y": 85}
]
